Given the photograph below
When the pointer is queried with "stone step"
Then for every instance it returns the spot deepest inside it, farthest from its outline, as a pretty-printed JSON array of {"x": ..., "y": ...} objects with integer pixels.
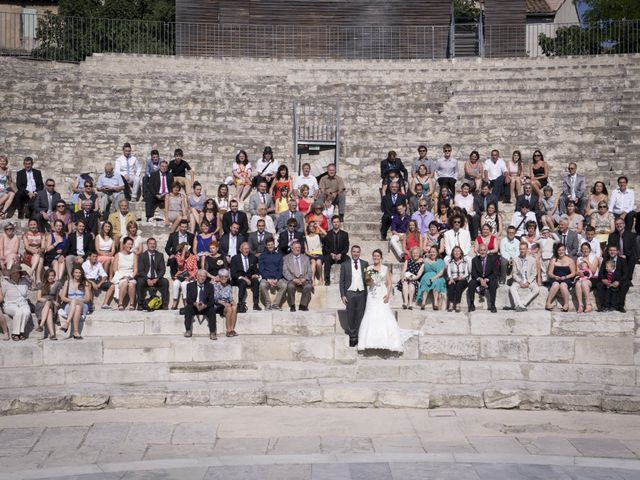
[{"x": 495, "y": 395}]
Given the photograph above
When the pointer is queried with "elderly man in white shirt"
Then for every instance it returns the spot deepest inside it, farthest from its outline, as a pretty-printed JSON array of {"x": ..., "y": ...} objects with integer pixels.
[
  {"x": 457, "y": 236},
  {"x": 306, "y": 179},
  {"x": 128, "y": 166},
  {"x": 622, "y": 204},
  {"x": 495, "y": 172}
]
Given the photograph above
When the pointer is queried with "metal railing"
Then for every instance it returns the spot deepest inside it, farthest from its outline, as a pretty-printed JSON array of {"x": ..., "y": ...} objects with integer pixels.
[{"x": 55, "y": 37}]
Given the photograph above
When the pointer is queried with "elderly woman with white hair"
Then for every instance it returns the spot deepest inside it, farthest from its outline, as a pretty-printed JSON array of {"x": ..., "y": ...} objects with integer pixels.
[
  {"x": 261, "y": 214},
  {"x": 225, "y": 305},
  {"x": 14, "y": 291}
]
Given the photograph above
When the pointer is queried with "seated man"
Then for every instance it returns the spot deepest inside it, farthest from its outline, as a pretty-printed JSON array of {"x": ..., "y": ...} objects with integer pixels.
[
  {"x": 230, "y": 242},
  {"x": 522, "y": 217},
  {"x": 509, "y": 248},
  {"x": 45, "y": 204},
  {"x": 306, "y": 179},
  {"x": 573, "y": 188},
  {"x": 331, "y": 187},
  {"x": 200, "y": 301},
  {"x": 159, "y": 186},
  {"x": 152, "y": 166},
  {"x": 456, "y": 236},
  {"x": 174, "y": 241},
  {"x": 297, "y": 273},
  {"x": 284, "y": 217},
  {"x": 235, "y": 216},
  {"x": 495, "y": 172},
  {"x": 270, "y": 268},
  {"x": 261, "y": 197},
  {"x": 335, "y": 246},
  {"x": 244, "y": 274},
  {"x": 393, "y": 164},
  {"x": 627, "y": 244},
  {"x": 526, "y": 276},
  {"x": 28, "y": 184},
  {"x": 128, "y": 167},
  {"x": 258, "y": 239},
  {"x": 121, "y": 219},
  {"x": 399, "y": 227},
  {"x": 97, "y": 278},
  {"x": 568, "y": 238},
  {"x": 622, "y": 204},
  {"x": 111, "y": 189},
  {"x": 78, "y": 247},
  {"x": 180, "y": 169},
  {"x": 484, "y": 278},
  {"x": 90, "y": 217},
  {"x": 612, "y": 275},
  {"x": 389, "y": 205},
  {"x": 151, "y": 270},
  {"x": 290, "y": 235}
]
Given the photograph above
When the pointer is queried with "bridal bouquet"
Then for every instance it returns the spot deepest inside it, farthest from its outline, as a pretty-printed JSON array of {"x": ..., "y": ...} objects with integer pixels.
[{"x": 371, "y": 276}]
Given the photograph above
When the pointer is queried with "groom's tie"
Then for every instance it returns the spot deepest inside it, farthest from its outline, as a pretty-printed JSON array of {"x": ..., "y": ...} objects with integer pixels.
[{"x": 355, "y": 264}]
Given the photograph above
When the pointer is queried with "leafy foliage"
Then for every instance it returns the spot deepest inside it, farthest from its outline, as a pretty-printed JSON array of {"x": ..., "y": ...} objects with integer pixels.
[
  {"x": 599, "y": 38},
  {"x": 598, "y": 10},
  {"x": 466, "y": 10}
]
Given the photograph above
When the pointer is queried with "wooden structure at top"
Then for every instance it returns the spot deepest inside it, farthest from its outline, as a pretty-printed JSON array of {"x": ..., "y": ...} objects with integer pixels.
[{"x": 344, "y": 29}]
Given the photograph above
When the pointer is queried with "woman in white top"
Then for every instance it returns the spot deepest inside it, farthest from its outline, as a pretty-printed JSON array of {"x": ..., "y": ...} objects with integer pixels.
[
  {"x": 464, "y": 200},
  {"x": 222, "y": 199},
  {"x": 132, "y": 233},
  {"x": 105, "y": 246},
  {"x": 14, "y": 293},
  {"x": 313, "y": 249},
  {"x": 262, "y": 215},
  {"x": 125, "y": 269}
]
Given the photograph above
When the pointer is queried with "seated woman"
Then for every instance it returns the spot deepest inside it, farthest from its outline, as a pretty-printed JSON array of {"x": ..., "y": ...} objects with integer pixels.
[
  {"x": 223, "y": 296},
  {"x": 76, "y": 295},
  {"x": 125, "y": 270},
  {"x": 315, "y": 215},
  {"x": 186, "y": 273},
  {"x": 604, "y": 223},
  {"x": 433, "y": 238},
  {"x": 7, "y": 187},
  {"x": 55, "y": 244},
  {"x": 474, "y": 171},
  {"x": 514, "y": 173},
  {"x": 313, "y": 249},
  {"x": 576, "y": 221},
  {"x": 106, "y": 246},
  {"x": 196, "y": 206},
  {"x": 458, "y": 272},
  {"x": 587, "y": 266},
  {"x": 132, "y": 233},
  {"x": 304, "y": 200},
  {"x": 432, "y": 280},
  {"x": 213, "y": 262},
  {"x": 47, "y": 303},
  {"x": 282, "y": 203},
  {"x": 222, "y": 198},
  {"x": 550, "y": 212},
  {"x": 202, "y": 239},
  {"x": 175, "y": 207},
  {"x": 79, "y": 188},
  {"x": 241, "y": 174},
  {"x": 411, "y": 240},
  {"x": 598, "y": 195},
  {"x": 412, "y": 270},
  {"x": 87, "y": 193},
  {"x": 9, "y": 247},
  {"x": 14, "y": 292},
  {"x": 213, "y": 215},
  {"x": 261, "y": 214},
  {"x": 538, "y": 173},
  {"x": 33, "y": 241},
  {"x": 488, "y": 239},
  {"x": 61, "y": 213},
  {"x": 423, "y": 178},
  {"x": 561, "y": 271},
  {"x": 442, "y": 217},
  {"x": 281, "y": 180},
  {"x": 492, "y": 218}
]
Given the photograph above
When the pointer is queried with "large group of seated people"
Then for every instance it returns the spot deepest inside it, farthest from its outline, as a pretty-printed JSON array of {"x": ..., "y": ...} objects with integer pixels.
[
  {"x": 265, "y": 232},
  {"x": 500, "y": 223}
]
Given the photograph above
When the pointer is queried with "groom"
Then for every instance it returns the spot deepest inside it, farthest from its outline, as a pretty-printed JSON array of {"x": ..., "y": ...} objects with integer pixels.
[{"x": 353, "y": 292}]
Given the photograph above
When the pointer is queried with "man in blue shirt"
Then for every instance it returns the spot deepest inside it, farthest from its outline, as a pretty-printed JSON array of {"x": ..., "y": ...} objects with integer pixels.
[
  {"x": 272, "y": 282},
  {"x": 111, "y": 188}
]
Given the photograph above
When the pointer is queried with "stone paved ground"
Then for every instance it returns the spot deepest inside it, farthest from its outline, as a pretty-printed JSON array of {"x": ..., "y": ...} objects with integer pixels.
[{"x": 317, "y": 444}]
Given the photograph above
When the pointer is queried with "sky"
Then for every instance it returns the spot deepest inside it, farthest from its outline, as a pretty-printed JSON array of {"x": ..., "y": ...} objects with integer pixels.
[{"x": 581, "y": 9}]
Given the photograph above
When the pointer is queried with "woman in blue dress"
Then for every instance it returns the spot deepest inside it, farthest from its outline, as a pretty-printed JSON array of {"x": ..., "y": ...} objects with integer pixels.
[
  {"x": 432, "y": 280},
  {"x": 202, "y": 240},
  {"x": 54, "y": 248},
  {"x": 76, "y": 296}
]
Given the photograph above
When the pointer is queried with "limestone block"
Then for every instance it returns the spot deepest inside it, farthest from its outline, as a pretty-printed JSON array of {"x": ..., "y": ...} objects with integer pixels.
[
  {"x": 89, "y": 399},
  {"x": 510, "y": 323},
  {"x": 235, "y": 394},
  {"x": 187, "y": 393},
  {"x": 148, "y": 396},
  {"x": 109, "y": 328},
  {"x": 77, "y": 353},
  {"x": 20, "y": 354},
  {"x": 214, "y": 371},
  {"x": 344, "y": 394},
  {"x": 475, "y": 372},
  {"x": 608, "y": 324},
  {"x": 501, "y": 371},
  {"x": 503, "y": 348},
  {"x": 313, "y": 348},
  {"x": 343, "y": 352},
  {"x": 170, "y": 326},
  {"x": 410, "y": 396},
  {"x": 146, "y": 349},
  {"x": 604, "y": 350},
  {"x": 592, "y": 374},
  {"x": 294, "y": 371},
  {"x": 31, "y": 376},
  {"x": 224, "y": 349},
  {"x": 457, "y": 397},
  {"x": 449, "y": 347},
  {"x": 551, "y": 349},
  {"x": 304, "y": 323},
  {"x": 429, "y": 371},
  {"x": 621, "y": 399},
  {"x": 116, "y": 373},
  {"x": 446, "y": 324},
  {"x": 40, "y": 400},
  {"x": 572, "y": 399},
  {"x": 299, "y": 393},
  {"x": 511, "y": 398}
]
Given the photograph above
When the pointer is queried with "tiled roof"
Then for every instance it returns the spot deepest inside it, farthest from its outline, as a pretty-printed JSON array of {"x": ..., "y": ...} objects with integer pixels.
[{"x": 538, "y": 6}]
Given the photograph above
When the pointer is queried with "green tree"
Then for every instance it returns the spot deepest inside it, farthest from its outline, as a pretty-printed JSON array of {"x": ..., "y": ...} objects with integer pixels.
[
  {"x": 598, "y": 10},
  {"x": 466, "y": 10}
]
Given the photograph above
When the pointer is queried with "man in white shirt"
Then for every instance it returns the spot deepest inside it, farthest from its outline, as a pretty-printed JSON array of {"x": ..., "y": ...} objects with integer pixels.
[
  {"x": 495, "y": 173},
  {"x": 521, "y": 218},
  {"x": 594, "y": 243},
  {"x": 111, "y": 188},
  {"x": 306, "y": 179},
  {"x": 623, "y": 202},
  {"x": 457, "y": 236},
  {"x": 128, "y": 166},
  {"x": 96, "y": 277},
  {"x": 508, "y": 251},
  {"x": 525, "y": 277}
]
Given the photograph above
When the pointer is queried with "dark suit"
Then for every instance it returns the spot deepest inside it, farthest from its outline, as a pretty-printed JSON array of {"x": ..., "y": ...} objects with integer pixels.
[
  {"x": 208, "y": 298},
  {"x": 22, "y": 198},
  {"x": 388, "y": 207},
  {"x": 171, "y": 248},
  {"x": 571, "y": 242},
  {"x": 237, "y": 271},
  {"x": 91, "y": 220},
  {"x": 255, "y": 246},
  {"x": 608, "y": 299},
  {"x": 334, "y": 243},
  {"x": 151, "y": 200},
  {"x": 71, "y": 249},
  {"x": 144, "y": 274},
  {"x": 283, "y": 242},
  {"x": 356, "y": 301},
  {"x": 224, "y": 245},
  {"x": 629, "y": 249},
  {"x": 386, "y": 167},
  {"x": 41, "y": 205},
  {"x": 243, "y": 222},
  {"x": 489, "y": 272}
]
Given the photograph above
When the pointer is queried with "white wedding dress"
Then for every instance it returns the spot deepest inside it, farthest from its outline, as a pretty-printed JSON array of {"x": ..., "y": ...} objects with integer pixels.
[{"x": 379, "y": 328}]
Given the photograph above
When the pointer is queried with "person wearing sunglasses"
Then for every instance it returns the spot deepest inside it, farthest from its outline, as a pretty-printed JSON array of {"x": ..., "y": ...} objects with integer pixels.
[{"x": 45, "y": 204}]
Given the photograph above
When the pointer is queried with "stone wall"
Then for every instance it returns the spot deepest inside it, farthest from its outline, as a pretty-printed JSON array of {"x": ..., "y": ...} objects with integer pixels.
[{"x": 73, "y": 118}]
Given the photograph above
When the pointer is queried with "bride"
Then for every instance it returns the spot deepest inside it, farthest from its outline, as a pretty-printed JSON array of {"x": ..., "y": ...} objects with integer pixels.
[{"x": 379, "y": 329}]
